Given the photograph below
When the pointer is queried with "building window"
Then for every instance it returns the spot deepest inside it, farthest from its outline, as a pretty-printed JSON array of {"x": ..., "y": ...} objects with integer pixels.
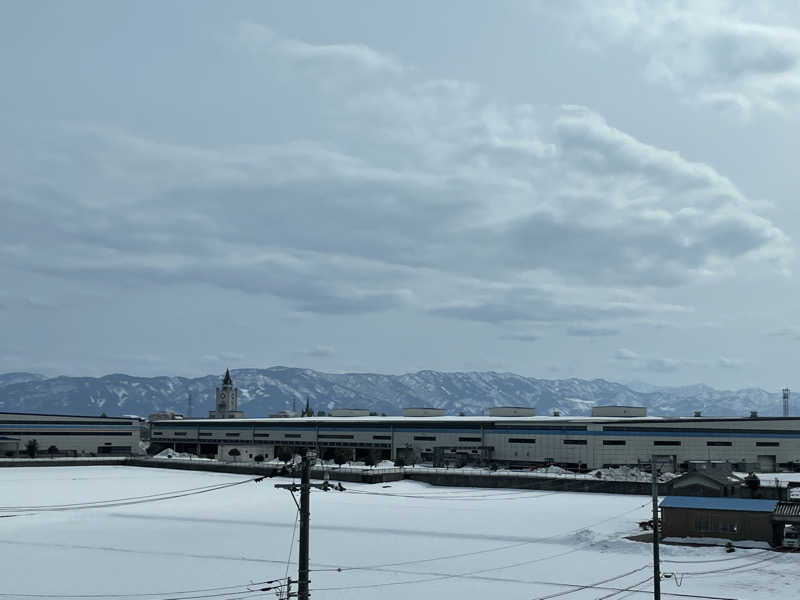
[
  {"x": 772, "y": 444},
  {"x": 204, "y": 434},
  {"x": 521, "y": 440},
  {"x": 666, "y": 443},
  {"x": 424, "y": 438},
  {"x": 469, "y": 439},
  {"x": 719, "y": 443},
  {"x": 703, "y": 525},
  {"x": 232, "y": 435},
  {"x": 335, "y": 436},
  {"x": 158, "y": 433},
  {"x": 614, "y": 442},
  {"x": 575, "y": 442},
  {"x": 381, "y": 437},
  {"x": 291, "y": 435},
  {"x": 181, "y": 433},
  {"x": 260, "y": 435}
]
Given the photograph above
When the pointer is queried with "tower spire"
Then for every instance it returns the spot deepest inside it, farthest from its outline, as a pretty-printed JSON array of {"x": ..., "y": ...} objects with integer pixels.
[{"x": 227, "y": 380}]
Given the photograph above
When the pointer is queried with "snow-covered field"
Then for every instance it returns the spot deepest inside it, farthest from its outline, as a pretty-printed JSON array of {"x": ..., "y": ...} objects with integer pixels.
[{"x": 403, "y": 541}]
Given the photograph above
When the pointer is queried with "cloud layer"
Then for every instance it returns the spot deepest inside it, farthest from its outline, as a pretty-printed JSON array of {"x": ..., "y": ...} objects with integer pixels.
[
  {"x": 431, "y": 197},
  {"x": 738, "y": 57}
]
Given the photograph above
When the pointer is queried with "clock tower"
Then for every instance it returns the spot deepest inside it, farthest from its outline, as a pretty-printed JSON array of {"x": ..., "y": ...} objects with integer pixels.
[{"x": 227, "y": 406}]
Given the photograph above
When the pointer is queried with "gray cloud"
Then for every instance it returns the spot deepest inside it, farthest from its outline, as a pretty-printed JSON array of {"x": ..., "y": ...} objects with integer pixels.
[
  {"x": 433, "y": 192},
  {"x": 319, "y": 351},
  {"x": 625, "y": 354},
  {"x": 260, "y": 38},
  {"x": 736, "y": 57},
  {"x": 791, "y": 333},
  {"x": 592, "y": 331},
  {"x": 521, "y": 337}
]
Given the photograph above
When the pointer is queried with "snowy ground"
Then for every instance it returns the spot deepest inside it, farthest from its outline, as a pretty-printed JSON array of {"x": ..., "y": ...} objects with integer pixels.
[{"x": 407, "y": 540}]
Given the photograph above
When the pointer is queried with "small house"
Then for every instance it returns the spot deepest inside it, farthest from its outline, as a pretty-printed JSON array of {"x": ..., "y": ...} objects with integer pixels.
[{"x": 734, "y": 519}]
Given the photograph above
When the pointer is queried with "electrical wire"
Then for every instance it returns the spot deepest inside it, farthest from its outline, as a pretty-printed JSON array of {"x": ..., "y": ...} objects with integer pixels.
[
  {"x": 471, "y": 497},
  {"x": 127, "y": 501},
  {"x": 591, "y": 585},
  {"x": 488, "y": 550},
  {"x": 630, "y": 588},
  {"x": 291, "y": 545},
  {"x": 171, "y": 595},
  {"x": 716, "y": 560},
  {"x": 728, "y": 569}
]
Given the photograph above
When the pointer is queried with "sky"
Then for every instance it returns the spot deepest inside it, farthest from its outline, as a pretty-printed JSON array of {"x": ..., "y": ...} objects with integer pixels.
[{"x": 576, "y": 189}]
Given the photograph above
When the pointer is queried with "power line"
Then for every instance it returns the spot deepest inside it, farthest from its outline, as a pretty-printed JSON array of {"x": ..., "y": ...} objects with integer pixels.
[
  {"x": 630, "y": 588},
  {"x": 127, "y": 501},
  {"x": 715, "y": 560},
  {"x": 176, "y": 595},
  {"x": 489, "y": 550},
  {"x": 591, "y": 585}
]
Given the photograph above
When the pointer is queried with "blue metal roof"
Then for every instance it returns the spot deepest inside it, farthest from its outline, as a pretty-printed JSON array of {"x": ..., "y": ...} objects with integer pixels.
[
  {"x": 8, "y": 439},
  {"x": 743, "y": 504}
]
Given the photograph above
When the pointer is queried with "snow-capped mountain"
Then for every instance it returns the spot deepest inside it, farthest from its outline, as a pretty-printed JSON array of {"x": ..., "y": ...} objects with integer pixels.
[{"x": 266, "y": 391}]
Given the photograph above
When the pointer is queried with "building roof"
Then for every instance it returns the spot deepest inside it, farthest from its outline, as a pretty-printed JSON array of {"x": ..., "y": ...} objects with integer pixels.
[
  {"x": 8, "y": 439},
  {"x": 699, "y": 502},
  {"x": 68, "y": 416},
  {"x": 227, "y": 380},
  {"x": 720, "y": 478},
  {"x": 788, "y": 510}
]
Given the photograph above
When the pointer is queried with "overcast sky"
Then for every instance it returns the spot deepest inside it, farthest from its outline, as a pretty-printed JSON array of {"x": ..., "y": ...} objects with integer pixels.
[{"x": 555, "y": 189}]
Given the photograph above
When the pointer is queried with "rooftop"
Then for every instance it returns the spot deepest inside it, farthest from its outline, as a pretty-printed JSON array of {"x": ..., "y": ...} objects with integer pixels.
[{"x": 740, "y": 504}]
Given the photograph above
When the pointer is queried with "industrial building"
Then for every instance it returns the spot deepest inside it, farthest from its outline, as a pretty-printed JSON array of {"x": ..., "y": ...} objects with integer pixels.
[
  {"x": 573, "y": 442},
  {"x": 510, "y": 435},
  {"x": 68, "y": 435}
]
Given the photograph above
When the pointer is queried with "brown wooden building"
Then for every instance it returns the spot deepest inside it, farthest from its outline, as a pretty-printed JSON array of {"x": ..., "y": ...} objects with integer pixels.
[{"x": 734, "y": 519}]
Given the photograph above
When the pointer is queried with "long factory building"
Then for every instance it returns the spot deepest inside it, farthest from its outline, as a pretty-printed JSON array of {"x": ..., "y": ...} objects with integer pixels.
[
  {"x": 68, "y": 435},
  {"x": 755, "y": 443}
]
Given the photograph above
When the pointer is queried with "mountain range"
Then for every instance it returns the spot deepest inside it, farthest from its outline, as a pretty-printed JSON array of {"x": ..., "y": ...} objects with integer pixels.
[{"x": 267, "y": 391}]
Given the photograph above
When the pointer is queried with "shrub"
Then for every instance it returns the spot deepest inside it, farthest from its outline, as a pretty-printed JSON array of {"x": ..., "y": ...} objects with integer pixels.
[
  {"x": 399, "y": 462},
  {"x": 32, "y": 448},
  {"x": 284, "y": 455},
  {"x": 52, "y": 450},
  {"x": 258, "y": 458},
  {"x": 340, "y": 457},
  {"x": 234, "y": 452},
  {"x": 752, "y": 481}
]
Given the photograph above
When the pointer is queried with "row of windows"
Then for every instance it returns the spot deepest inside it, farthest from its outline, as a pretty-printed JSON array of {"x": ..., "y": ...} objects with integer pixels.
[
  {"x": 67, "y": 422},
  {"x": 61, "y": 433},
  {"x": 420, "y": 438}
]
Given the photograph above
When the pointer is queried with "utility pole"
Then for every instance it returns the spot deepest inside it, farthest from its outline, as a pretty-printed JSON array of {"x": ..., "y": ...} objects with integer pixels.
[
  {"x": 656, "y": 527},
  {"x": 305, "y": 517},
  {"x": 304, "y": 508}
]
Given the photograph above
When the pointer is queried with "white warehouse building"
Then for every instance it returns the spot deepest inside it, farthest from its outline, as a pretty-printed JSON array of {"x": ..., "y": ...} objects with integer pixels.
[
  {"x": 69, "y": 435},
  {"x": 763, "y": 443}
]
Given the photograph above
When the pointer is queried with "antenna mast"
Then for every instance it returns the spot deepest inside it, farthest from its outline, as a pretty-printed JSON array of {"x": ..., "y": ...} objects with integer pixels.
[
  {"x": 785, "y": 402},
  {"x": 189, "y": 401}
]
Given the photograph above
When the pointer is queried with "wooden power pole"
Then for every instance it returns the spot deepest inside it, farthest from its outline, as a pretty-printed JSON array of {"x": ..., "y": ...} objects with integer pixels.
[{"x": 656, "y": 528}]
